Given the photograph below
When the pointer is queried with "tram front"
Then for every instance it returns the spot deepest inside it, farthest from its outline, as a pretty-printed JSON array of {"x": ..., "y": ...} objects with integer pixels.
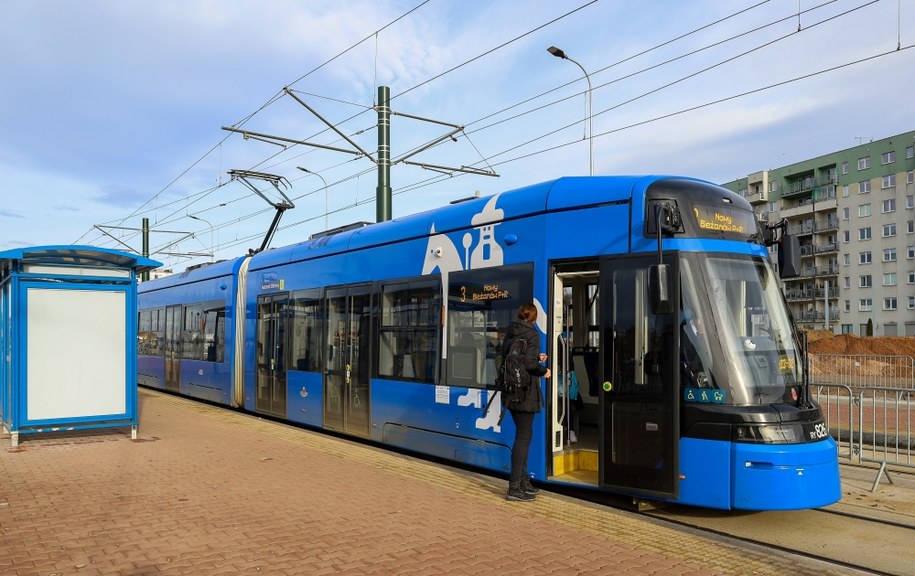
[{"x": 750, "y": 433}]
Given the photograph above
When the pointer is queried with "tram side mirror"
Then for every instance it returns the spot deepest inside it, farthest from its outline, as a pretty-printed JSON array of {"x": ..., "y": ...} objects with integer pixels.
[
  {"x": 659, "y": 289},
  {"x": 789, "y": 256}
]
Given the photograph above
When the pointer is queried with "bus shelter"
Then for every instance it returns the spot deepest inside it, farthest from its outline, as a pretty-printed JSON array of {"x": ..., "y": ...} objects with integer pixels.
[{"x": 68, "y": 338}]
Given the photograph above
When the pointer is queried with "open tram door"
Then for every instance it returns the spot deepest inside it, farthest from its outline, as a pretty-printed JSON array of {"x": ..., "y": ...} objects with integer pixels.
[
  {"x": 574, "y": 417},
  {"x": 638, "y": 385}
]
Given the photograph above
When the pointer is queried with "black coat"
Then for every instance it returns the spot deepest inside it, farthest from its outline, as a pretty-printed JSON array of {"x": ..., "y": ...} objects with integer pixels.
[{"x": 529, "y": 398}]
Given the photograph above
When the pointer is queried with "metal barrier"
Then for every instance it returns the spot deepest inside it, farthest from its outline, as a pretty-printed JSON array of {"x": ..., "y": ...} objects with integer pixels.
[
  {"x": 885, "y": 418},
  {"x": 859, "y": 371},
  {"x": 838, "y": 405},
  {"x": 883, "y": 388}
]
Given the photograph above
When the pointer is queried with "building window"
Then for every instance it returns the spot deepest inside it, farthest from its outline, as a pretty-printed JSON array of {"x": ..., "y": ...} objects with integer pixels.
[
  {"x": 864, "y": 281},
  {"x": 910, "y": 176},
  {"x": 889, "y": 181},
  {"x": 844, "y": 167},
  {"x": 848, "y": 305},
  {"x": 888, "y": 157},
  {"x": 864, "y": 210},
  {"x": 847, "y": 329},
  {"x": 910, "y": 226},
  {"x": 864, "y": 233},
  {"x": 772, "y": 186},
  {"x": 845, "y": 213},
  {"x": 889, "y": 279},
  {"x": 889, "y": 254},
  {"x": 846, "y": 235},
  {"x": 911, "y": 277},
  {"x": 847, "y": 258},
  {"x": 910, "y": 201},
  {"x": 864, "y": 257},
  {"x": 864, "y": 163},
  {"x": 910, "y": 252},
  {"x": 889, "y": 303},
  {"x": 773, "y": 207},
  {"x": 911, "y": 302},
  {"x": 864, "y": 187},
  {"x": 848, "y": 282},
  {"x": 889, "y": 230},
  {"x": 845, "y": 191},
  {"x": 910, "y": 152},
  {"x": 889, "y": 205},
  {"x": 865, "y": 304}
]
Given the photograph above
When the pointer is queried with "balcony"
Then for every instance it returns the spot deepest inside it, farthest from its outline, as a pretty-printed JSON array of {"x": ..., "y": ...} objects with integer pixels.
[
  {"x": 811, "y": 294},
  {"x": 817, "y": 316},
  {"x": 806, "y": 208}
]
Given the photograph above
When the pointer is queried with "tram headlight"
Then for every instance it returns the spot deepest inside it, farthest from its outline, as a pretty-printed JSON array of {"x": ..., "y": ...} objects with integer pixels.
[{"x": 768, "y": 433}]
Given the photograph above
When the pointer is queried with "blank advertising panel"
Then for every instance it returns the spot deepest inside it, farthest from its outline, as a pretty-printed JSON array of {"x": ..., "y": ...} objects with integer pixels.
[{"x": 76, "y": 353}]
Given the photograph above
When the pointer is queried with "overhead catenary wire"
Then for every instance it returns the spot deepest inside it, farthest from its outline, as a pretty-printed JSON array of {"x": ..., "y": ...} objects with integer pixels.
[
  {"x": 436, "y": 179},
  {"x": 426, "y": 182}
]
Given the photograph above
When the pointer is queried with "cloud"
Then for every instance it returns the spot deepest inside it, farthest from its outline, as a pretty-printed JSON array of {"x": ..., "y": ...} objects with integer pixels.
[{"x": 11, "y": 213}]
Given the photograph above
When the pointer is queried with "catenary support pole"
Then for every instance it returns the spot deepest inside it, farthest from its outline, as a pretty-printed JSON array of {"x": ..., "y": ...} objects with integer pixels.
[
  {"x": 145, "y": 275},
  {"x": 383, "y": 192}
]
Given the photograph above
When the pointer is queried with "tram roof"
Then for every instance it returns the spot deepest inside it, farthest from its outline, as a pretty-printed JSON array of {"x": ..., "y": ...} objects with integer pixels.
[{"x": 562, "y": 193}]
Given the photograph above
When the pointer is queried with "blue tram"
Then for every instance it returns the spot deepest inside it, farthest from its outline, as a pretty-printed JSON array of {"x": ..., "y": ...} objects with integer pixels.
[{"x": 657, "y": 292}]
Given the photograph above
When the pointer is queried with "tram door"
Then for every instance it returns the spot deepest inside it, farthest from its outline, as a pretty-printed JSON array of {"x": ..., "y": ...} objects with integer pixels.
[
  {"x": 577, "y": 344},
  {"x": 272, "y": 323},
  {"x": 346, "y": 380},
  {"x": 173, "y": 324},
  {"x": 639, "y": 386}
]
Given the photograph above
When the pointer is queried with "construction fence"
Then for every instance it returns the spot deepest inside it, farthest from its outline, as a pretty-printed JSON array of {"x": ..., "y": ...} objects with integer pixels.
[{"x": 867, "y": 402}]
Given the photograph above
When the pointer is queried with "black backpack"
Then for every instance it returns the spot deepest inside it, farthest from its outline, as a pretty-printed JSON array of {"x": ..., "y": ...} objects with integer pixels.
[{"x": 512, "y": 377}]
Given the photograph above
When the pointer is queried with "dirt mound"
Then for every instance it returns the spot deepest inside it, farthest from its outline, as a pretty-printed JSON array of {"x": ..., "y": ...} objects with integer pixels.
[{"x": 850, "y": 345}]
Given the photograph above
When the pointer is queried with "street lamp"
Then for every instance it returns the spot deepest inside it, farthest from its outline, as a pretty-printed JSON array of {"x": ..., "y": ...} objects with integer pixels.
[
  {"x": 557, "y": 52},
  {"x": 306, "y": 170},
  {"x": 212, "y": 248}
]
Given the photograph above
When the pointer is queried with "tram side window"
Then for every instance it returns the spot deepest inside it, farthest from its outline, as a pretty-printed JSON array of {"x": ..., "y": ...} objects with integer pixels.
[
  {"x": 214, "y": 337},
  {"x": 408, "y": 335},
  {"x": 481, "y": 305},
  {"x": 150, "y": 332},
  {"x": 203, "y": 332},
  {"x": 192, "y": 330},
  {"x": 307, "y": 330}
]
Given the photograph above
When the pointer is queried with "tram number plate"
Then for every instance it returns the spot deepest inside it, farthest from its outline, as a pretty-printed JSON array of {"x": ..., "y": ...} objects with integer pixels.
[{"x": 819, "y": 431}]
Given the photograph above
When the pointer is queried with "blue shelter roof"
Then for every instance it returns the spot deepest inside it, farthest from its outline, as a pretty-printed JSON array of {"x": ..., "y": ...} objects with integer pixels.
[{"x": 74, "y": 255}]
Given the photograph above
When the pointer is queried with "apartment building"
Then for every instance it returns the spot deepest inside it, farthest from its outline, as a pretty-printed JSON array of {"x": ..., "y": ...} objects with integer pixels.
[{"x": 854, "y": 214}]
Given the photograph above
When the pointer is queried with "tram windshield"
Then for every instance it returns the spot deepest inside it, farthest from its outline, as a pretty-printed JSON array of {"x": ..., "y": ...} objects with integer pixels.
[{"x": 737, "y": 344}]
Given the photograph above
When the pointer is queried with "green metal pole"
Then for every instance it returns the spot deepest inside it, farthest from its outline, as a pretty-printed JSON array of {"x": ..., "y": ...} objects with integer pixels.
[
  {"x": 145, "y": 275},
  {"x": 383, "y": 191}
]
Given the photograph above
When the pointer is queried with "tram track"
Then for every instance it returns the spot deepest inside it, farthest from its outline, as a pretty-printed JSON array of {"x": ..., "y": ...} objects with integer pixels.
[
  {"x": 790, "y": 551},
  {"x": 837, "y": 538}
]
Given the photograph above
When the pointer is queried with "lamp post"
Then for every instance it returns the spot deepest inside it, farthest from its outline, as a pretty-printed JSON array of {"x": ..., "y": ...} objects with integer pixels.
[
  {"x": 307, "y": 171},
  {"x": 557, "y": 52},
  {"x": 212, "y": 248}
]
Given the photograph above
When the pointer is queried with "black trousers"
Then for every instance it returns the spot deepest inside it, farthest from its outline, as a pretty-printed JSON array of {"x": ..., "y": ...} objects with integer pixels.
[{"x": 524, "y": 431}]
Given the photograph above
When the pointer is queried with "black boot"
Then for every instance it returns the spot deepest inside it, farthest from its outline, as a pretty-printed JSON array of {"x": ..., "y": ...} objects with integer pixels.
[
  {"x": 516, "y": 493},
  {"x": 529, "y": 488}
]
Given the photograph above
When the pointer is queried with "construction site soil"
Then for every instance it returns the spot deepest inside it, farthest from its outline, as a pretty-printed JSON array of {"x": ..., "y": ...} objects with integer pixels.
[
  {"x": 878, "y": 360},
  {"x": 823, "y": 342}
]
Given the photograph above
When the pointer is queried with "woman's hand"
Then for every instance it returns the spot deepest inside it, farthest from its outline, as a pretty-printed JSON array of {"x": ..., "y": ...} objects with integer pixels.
[{"x": 542, "y": 358}]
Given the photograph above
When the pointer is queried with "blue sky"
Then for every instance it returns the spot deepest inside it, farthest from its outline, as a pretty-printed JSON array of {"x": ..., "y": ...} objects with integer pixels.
[{"x": 112, "y": 111}]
